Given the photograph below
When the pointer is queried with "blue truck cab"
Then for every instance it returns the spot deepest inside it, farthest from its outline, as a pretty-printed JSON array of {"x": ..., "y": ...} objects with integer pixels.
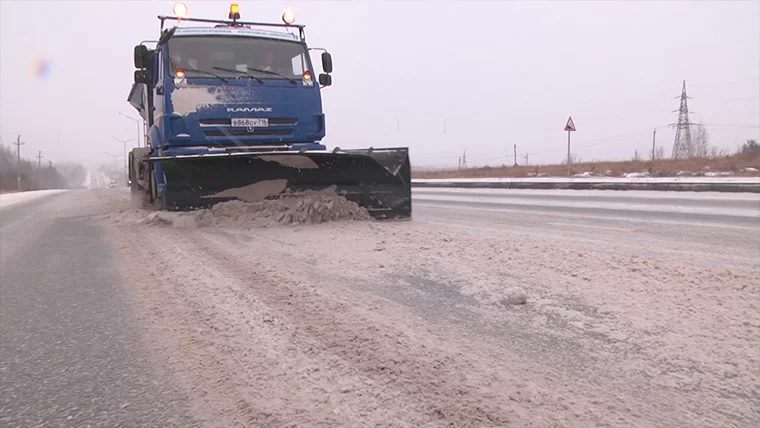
[{"x": 230, "y": 85}]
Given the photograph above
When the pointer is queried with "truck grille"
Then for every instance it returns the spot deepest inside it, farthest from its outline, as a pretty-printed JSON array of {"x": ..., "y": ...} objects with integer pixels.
[
  {"x": 273, "y": 121},
  {"x": 279, "y": 126},
  {"x": 245, "y": 132}
]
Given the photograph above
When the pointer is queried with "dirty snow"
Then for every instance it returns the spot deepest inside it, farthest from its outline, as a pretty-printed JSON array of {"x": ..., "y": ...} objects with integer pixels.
[
  {"x": 188, "y": 99},
  {"x": 290, "y": 209},
  {"x": 293, "y": 161},
  {"x": 254, "y": 192},
  {"x": 312, "y": 209},
  {"x": 458, "y": 318}
]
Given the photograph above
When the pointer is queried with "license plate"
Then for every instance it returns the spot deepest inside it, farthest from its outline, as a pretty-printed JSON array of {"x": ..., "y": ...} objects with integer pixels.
[{"x": 250, "y": 123}]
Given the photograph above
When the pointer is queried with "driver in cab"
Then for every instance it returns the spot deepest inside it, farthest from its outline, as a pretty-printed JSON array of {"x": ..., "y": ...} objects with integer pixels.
[{"x": 268, "y": 61}]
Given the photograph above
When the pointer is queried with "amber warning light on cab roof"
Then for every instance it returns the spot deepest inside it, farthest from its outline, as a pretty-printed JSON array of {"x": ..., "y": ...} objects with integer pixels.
[
  {"x": 234, "y": 12},
  {"x": 180, "y": 11}
]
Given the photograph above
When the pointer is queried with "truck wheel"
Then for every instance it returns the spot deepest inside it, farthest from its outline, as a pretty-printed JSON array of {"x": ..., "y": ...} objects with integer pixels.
[
  {"x": 149, "y": 198},
  {"x": 157, "y": 198},
  {"x": 162, "y": 201},
  {"x": 134, "y": 187}
]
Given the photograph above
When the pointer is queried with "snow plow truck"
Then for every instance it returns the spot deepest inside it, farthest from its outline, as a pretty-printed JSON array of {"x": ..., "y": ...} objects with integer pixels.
[{"x": 233, "y": 108}]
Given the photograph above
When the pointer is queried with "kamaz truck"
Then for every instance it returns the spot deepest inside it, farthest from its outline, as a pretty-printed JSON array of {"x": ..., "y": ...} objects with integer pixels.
[{"x": 232, "y": 110}]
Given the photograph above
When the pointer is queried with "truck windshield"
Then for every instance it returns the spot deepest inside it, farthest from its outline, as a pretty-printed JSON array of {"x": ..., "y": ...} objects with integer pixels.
[{"x": 235, "y": 56}]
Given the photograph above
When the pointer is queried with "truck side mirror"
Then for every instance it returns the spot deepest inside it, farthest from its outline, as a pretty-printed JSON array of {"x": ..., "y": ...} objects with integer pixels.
[
  {"x": 327, "y": 65},
  {"x": 325, "y": 79},
  {"x": 141, "y": 53}
]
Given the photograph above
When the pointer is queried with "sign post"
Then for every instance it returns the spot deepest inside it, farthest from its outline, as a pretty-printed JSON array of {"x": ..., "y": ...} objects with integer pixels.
[{"x": 569, "y": 127}]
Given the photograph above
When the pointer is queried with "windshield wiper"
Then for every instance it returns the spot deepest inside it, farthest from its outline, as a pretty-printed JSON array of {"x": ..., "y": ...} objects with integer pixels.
[
  {"x": 275, "y": 73},
  {"x": 206, "y": 72},
  {"x": 232, "y": 70}
]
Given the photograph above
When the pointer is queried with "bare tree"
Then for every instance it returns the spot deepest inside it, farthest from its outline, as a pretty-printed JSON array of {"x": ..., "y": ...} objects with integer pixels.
[
  {"x": 659, "y": 152},
  {"x": 573, "y": 159},
  {"x": 716, "y": 152},
  {"x": 751, "y": 147},
  {"x": 30, "y": 178},
  {"x": 701, "y": 142}
]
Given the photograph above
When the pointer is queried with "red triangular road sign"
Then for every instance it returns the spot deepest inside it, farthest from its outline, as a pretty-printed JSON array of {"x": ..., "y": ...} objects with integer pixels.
[{"x": 570, "y": 126}]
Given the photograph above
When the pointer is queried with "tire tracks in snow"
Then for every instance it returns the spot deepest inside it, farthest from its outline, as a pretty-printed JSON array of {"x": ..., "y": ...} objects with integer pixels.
[{"x": 257, "y": 343}]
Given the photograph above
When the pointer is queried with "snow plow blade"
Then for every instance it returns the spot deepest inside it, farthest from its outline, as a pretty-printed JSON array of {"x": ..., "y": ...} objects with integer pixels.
[{"x": 378, "y": 180}]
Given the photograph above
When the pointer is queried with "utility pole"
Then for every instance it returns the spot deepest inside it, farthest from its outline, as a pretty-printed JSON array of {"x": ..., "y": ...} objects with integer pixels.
[
  {"x": 526, "y": 158},
  {"x": 18, "y": 162},
  {"x": 39, "y": 169},
  {"x": 515, "y": 149},
  {"x": 126, "y": 169},
  {"x": 138, "y": 129},
  {"x": 50, "y": 174},
  {"x": 654, "y": 145}
]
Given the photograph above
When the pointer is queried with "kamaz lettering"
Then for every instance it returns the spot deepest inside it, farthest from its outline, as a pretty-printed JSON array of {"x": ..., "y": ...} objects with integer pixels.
[{"x": 249, "y": 109}]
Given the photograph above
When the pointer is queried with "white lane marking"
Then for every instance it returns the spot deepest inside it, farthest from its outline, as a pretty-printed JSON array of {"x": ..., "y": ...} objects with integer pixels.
[{"x": 593, "y": 226}]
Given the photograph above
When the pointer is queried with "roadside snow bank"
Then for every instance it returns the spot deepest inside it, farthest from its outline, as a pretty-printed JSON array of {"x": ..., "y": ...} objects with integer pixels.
[{"x": 8, "y": 199}]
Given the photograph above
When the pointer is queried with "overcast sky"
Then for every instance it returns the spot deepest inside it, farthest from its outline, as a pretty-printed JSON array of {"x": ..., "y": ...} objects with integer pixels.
[{"x": 498, "y": 73}]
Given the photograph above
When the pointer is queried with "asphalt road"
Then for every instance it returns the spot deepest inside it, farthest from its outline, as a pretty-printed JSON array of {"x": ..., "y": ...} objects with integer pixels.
[
  {"x": 738, "y": 209},
  {"x": 642, "y": 310},
  {"x": 70, "y": 346}
]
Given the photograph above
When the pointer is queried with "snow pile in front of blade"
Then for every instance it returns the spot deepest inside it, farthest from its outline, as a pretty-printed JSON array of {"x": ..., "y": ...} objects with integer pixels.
[
  {"x": 290, "y": 210},
  {"x": 300, "y": 209}
]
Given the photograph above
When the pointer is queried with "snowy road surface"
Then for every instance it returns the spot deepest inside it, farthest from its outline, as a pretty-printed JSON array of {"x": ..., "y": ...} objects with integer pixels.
[{"x": 645, "y": 315}]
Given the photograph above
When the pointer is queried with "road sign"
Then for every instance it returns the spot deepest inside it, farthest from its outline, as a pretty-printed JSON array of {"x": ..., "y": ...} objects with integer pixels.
[{"x": 570, "y": 126}]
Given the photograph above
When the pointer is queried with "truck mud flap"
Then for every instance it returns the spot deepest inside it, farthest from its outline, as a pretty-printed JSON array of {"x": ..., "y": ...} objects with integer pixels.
[{"x": 377, "y": 179}]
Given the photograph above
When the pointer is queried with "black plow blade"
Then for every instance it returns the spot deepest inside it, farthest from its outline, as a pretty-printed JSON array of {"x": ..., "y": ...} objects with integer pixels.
[{"x": 378, "y": 180}]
